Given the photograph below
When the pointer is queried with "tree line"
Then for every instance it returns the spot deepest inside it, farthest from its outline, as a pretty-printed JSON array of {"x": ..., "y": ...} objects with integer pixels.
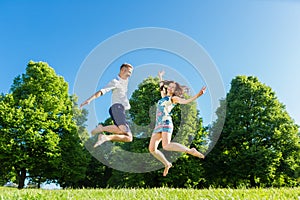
[{"x": 253, "y": 142}]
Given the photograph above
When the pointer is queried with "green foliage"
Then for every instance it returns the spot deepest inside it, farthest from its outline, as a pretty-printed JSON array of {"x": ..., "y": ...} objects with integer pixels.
[
  {"x": 259, "y": 145},
  {"x": 39, "y": 133},
  {"x": 142, "y": 101},
  {"x": 74, "y": 157}
]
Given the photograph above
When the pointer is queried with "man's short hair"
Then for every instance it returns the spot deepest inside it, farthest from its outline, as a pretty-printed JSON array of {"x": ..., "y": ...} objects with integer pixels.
[{"x": 127, "y": 65}]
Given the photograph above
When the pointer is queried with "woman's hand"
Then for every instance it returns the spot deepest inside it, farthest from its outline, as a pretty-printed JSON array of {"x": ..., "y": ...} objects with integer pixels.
[
  {"x": 160, "y": 75},
  {"x": 202, "y": 91}
]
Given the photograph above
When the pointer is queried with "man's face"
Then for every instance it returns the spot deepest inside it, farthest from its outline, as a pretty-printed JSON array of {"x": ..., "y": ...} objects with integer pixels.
[{"x": 127, "y": 71}]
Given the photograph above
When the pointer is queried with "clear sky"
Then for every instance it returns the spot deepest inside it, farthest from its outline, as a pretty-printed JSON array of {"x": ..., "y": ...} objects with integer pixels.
[{"x": 242, "y": 37}]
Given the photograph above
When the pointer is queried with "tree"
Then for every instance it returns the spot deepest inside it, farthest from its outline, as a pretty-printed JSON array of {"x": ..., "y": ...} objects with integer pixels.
[
  {"x": 38, "y": 130},
  {"x": 259, "y": 145},
  {"x": 142, "y": 101}
]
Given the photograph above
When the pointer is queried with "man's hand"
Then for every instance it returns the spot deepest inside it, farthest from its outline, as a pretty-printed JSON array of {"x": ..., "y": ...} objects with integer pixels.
[{"x": 84, "y": 103}]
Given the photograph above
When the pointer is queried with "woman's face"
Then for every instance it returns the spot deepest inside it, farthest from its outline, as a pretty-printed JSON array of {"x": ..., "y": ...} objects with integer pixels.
[{"x": 171, "y": 88}]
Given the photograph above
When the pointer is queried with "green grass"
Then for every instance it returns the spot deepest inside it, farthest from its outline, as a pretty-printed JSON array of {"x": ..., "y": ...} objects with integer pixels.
[{"x": 158, "y": 193}]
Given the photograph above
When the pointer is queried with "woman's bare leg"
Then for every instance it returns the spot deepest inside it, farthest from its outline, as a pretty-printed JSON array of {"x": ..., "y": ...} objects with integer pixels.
[
  {"x": 154, "y": 142},
  {"x": 174, "y": 146}
]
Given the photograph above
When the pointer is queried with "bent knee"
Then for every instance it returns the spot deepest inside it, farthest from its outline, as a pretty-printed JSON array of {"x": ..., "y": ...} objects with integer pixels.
[
  {"x": 128, "y": 137},
  {"x": 124, "y": 129},
  {"x": 151, "y": 149},
  {"x": 166, "y": 147}
]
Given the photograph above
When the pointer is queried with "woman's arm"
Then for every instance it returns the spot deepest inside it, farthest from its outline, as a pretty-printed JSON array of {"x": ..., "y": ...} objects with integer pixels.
[
  {"x": 160, "y": 75},
  {"x": 179, "y": 100},
  {"x": 161, "y": 83}
]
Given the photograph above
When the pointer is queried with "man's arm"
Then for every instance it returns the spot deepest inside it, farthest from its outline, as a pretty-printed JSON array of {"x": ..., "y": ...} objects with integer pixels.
[
  {"x": 111, "y": 85},
  {"x": 94, "y": 96}
]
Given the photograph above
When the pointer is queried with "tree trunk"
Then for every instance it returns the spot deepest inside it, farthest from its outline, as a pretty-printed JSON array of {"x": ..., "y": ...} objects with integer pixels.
[
  {"x": 39, "y": 183},
  {"x": 107, "y": 175},
  {"x": 21, "y": 177},
  {"x": 252, "y": 181}
]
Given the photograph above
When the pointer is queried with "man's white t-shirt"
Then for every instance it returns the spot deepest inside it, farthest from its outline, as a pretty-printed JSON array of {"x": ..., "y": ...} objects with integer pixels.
[{"x": 119, "y": 89}]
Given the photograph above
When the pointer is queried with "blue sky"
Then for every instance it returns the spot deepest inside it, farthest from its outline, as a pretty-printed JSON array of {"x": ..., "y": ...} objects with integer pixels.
[{"x": 242, "y": 37}]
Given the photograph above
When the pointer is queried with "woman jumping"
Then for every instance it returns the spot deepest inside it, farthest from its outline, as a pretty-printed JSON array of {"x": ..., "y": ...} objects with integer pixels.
[{"x": 171, "y": 95}]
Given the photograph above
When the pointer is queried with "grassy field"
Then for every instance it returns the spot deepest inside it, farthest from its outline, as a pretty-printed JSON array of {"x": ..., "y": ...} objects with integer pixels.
[{"x": 158, "y": 193}]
